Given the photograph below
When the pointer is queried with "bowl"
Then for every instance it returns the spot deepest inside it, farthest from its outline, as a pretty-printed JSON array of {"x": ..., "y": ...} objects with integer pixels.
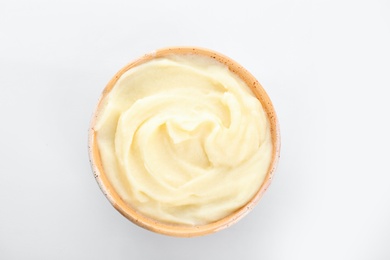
[{"x": 174, "y": 229}]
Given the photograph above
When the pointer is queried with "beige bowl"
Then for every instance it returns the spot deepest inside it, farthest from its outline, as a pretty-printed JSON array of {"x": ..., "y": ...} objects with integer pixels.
[{"x": 181, "y": 230}]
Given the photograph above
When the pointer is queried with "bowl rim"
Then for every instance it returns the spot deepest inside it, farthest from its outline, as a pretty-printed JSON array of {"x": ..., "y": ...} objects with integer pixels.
[{"x": 173, "y": 229}]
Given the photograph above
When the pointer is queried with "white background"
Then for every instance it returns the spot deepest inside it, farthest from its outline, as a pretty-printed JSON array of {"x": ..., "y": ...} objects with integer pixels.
[{"x": 325, "y": 65}]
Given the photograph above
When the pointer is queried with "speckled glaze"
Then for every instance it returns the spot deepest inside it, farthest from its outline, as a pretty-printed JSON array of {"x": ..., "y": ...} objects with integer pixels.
[{"x": 180, "y": 230}]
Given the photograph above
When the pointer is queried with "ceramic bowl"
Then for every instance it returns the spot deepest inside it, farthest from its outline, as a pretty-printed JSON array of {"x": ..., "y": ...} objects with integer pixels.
[{"x": 181, "y": 230}]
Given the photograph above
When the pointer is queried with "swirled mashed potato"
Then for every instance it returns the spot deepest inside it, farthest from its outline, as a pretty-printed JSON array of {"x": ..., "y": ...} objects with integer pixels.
[{"x": 183, "y": 140}]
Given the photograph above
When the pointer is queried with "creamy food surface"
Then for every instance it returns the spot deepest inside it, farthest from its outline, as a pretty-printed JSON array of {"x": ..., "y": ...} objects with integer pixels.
[{"x": 183, "y": 140}]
